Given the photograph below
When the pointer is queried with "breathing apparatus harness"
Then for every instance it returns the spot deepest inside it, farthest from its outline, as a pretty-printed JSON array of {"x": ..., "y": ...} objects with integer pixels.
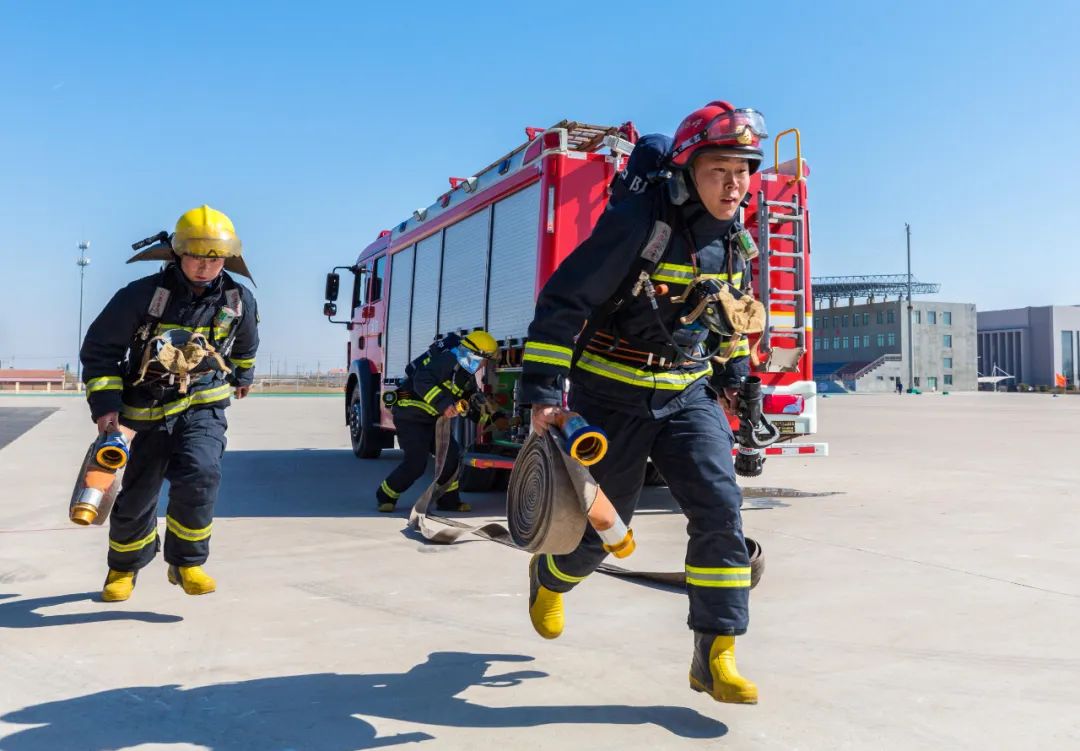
[
  {"x": 178, "y": 357},
  {"x": 715, "y": 305}
]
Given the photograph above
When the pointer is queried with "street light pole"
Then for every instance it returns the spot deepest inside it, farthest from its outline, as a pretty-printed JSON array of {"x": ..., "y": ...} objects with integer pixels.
[
  {"x": 82, "y": 262},
  {"x": 910, "y": 327}
]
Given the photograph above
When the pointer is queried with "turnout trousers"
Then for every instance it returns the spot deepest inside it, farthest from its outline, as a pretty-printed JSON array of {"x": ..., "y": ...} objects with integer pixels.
[
  {"x": 417, "y": 441},
  {"x": 189, "y": 457},
  {"x": 691, "y": 447}
]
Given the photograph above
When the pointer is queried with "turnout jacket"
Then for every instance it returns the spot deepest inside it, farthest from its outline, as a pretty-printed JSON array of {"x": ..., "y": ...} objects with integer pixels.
[
  {"x": 436, "y": 381},
  {"x": 592, "y": 274},
  {"x": 111, "y": 352}
]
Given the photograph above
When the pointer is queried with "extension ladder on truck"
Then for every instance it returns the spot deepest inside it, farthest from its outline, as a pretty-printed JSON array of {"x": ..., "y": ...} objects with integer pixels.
[{"x": 783, "y": 231}]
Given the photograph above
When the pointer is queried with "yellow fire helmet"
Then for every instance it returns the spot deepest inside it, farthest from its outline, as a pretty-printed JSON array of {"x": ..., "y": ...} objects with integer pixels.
[
  {"x": 205, "y": 233},
  {"x": 482, "y": 343}
]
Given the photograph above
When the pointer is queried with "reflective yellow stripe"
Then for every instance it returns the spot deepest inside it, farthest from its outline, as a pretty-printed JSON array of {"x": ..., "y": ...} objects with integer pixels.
[
  {"x": 674, "y": 273},
  {"x": 546, "y": 360},
  {"x": 742, "y": 583},
  {"x": 548, "y": 354},
  {"x": 667, "y": 381},
  {"x": 736, "y": 278},
  {"x": 105, "y": 383},
  {"x": 736, "y": 576},
  {"x": 390, "y": 492},
  {"x": 453, "y": 486},
  {"x": 187, "y": 533},
  {"x": 453, "y": 388},
  {"x": 242, "y": 362},
  {"x": 743, "y": 349},
  {"x": 162, "y": 327},
  {"x": 419, "y": 405},
  {"x": 559, "y": 574},
  {"x": 146, "y": 414},
  {"x": 434, "y": 392},
  {"x": 724, "y": 570},
  {"x": 131, "y": 547}
]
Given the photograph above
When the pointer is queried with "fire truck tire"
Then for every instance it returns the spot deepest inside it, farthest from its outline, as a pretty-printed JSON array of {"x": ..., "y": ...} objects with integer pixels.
[
  {"x": 653, "y": 478},
  {"x": 473, "y": 480},
  {"x": 366, "y": 438}
]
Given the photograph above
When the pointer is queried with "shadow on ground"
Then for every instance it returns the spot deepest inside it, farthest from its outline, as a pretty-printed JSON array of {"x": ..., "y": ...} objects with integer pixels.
[
  {"x": 315, "y": 483},
  {"x": 25, "y": 613},
  {"x": 334, "y": 483},
  {"x": 317, "y": 712}
]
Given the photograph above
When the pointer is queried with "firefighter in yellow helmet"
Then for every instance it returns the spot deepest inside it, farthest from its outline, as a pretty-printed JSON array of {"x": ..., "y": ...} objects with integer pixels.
[
  {"x": 164, "y": 358},
  {"x": 437, "y": 384}
]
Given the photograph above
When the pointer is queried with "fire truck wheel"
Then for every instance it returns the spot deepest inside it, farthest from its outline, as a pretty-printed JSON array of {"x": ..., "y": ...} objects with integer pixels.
[
  {"x": 653, "y": 478},
  {"x": 366, "y": 443},
  {"x": 475, "y": 480}
]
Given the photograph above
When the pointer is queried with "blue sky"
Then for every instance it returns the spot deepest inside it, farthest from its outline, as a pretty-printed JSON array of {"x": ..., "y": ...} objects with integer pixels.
[{"x": 315, "y": 125}]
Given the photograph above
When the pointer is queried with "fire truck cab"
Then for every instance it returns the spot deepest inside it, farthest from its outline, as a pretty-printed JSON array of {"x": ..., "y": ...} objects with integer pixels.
[{"x": 478, "y": 255}]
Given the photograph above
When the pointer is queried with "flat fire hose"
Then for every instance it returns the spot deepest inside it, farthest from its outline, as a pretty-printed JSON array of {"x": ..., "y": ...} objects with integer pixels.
[
  {"x": 546, "y": 505},
  {"x": 421, "y": 520}
]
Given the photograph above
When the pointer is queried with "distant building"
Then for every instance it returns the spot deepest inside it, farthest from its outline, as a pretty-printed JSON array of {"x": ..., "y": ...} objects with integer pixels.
[
  {"x": 864, "y": 347},
  {"x": 1031, "y": 344},
  {"x": 32, "y": 380}
]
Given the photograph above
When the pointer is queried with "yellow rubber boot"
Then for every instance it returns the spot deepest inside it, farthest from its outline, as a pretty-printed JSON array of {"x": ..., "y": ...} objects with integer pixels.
[
  {"x": 545, "y": 606},
  {"x": 118, "y": 586},
  {"x": 193, "y": 579},
  {"x": 713, "y": 671}
]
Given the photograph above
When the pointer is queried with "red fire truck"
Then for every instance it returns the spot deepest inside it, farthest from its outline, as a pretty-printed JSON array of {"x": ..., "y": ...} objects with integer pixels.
[{"x": 478, "y": 255}]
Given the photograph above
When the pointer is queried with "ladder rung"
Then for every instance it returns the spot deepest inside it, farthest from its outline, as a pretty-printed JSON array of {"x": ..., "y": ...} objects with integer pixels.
[
  {"x": 792, "y": 292},
  {"x": 783, "y": 254},
  {"x": 781, "y": 218},
  {"x": 784, "y": 269},
  {"x": 788, "y": 329},
  {"x": 787, "y": 303},
  {"x": 782, "y": 204},
  {"x": 779, "y": 236}
]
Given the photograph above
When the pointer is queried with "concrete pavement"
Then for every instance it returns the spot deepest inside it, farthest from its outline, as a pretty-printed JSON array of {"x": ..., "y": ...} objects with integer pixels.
[{"x": 930, "y": 602}]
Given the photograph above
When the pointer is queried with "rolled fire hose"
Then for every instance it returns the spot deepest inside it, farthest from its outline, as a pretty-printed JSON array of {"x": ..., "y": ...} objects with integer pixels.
[{"x": 547, "y": 505}]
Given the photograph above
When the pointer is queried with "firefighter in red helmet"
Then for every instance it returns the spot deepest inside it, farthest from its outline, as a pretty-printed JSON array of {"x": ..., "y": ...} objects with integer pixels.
[{"x": 640, "y": 372}]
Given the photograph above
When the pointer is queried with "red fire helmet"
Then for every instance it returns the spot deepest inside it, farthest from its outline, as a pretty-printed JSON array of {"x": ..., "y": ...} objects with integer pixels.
[{"x": 718, "y": 124}]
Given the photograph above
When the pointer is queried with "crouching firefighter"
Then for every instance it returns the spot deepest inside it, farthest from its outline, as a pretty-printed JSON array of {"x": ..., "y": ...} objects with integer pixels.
[
  {"x": 440, "y": 383},
  {"x": 163, "y": 358},
  {"x": 655, "y": 350}
]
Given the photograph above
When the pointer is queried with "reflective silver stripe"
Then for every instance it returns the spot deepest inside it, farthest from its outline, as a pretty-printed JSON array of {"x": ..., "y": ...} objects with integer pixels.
[
  {"x": 674, "y": 273},
  {"x": 163, "y": 327},
  {"x": 664, "y": 380},
  {"x": 418, "y": 404},
  {"x": 147, "y": 414},
  {"x": 131, "y": 547},
  {"x": 549, "y": 354},
  {"x": 187, "y": 533},
  {"x": 727, "y": 577},
  {"x": 105, "y": 383}
]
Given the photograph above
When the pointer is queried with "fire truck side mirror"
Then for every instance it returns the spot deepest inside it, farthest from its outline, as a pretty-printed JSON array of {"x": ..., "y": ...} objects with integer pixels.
[
  {"x": 333, "y": 282},
  {"x": 329, "y": 309}
]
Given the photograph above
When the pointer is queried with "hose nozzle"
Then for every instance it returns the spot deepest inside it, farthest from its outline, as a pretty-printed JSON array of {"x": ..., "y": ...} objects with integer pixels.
[
  {"x": 583, "y": 442},
  {"x": 111, "y": 451}
]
